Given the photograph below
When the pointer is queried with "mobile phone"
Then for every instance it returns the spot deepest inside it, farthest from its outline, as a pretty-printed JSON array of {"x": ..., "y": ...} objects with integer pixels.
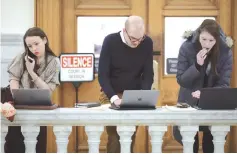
[
  {"x": 207, "y": 51},
  {"x": 28, "y": 55},
  {"x": 182, "y": 105}
]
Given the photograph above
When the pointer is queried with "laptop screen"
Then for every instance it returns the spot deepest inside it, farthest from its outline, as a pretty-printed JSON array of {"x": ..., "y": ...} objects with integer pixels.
[
  {"x": 139, "y": 99},
  {"x": 218, "y": 99},
  {"x": 31, "y": 97}
]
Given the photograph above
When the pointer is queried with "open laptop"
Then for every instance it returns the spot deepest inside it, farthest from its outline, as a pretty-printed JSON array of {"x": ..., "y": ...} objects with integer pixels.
[
  {"x": 218, "y": 99},
  {"x": 138, "y": 100},
  {"x": 31, "y": 97}
]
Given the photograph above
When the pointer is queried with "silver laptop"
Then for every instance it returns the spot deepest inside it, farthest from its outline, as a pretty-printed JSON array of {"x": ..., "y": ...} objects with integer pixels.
[
  {"x": 139, "y": 100},
  {"x": 31, "y": 97}
]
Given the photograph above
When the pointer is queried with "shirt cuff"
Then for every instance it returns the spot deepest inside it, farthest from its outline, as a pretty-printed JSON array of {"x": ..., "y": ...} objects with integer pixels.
[{"x": 114, "y": 98}]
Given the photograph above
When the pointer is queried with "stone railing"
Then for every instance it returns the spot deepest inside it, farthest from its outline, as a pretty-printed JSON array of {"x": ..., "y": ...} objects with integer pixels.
[{"x": 95, "y": 119}]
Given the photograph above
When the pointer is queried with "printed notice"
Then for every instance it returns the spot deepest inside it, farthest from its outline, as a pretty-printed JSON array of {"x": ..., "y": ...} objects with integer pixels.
[
  {"x": 171, "y": 65},
  {"x": 77, "y": 67}
]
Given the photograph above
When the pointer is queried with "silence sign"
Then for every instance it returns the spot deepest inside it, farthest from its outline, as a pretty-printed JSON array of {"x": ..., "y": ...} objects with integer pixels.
[{"x": 77, "y": 67}]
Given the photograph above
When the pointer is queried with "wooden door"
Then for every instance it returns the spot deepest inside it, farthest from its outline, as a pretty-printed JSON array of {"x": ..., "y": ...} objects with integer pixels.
[
  {"x": 158, "y": 10},
  {"x": 70, "y": 10},
  {"x": 59, "y": 19}
]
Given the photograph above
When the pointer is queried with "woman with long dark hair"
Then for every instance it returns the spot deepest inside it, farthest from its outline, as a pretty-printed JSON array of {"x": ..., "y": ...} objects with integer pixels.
[
  {"x": 36, "y": 67},
  {"x": 205, "y": 60}
]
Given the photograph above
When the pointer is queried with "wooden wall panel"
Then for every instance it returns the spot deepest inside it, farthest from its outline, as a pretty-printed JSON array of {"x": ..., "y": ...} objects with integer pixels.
[
  {"x": 90, "y": 91},
  {"x": 233, "y": 136},
  {"x": 224, "y": 17},
  {"x": 102, "y": 4},
  {"x": 139, "y": 7},
  {"x": 102, "y": 7},
  {"x": 48, "y": 14},
  {"x": 69, "y": 46},
  {"x": 226, "y": 22},
  {"x": 157, "y": 11},
  {"x": 58, "y": 18},
  {"x": 191, "y": 4},
  {"x": 48, "y": 17},
  {"x": 234, "y": 36},
  {"x": 155, "y": 27}
]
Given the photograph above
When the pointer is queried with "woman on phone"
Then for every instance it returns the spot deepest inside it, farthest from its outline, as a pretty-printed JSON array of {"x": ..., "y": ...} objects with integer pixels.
[
  {"x": 205, "y": 60},
  {"x": 37, "y": 67}
]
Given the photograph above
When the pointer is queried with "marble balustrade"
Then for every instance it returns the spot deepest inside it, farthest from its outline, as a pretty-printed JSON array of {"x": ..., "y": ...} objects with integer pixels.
[{"x": 94, "y": 120}]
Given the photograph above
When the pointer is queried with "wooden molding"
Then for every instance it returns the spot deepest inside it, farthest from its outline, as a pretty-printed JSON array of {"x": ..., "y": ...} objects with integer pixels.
[
  {"x": 191, "y": 13},
  {"x": 191, "y": 5},
  {"x": 102, "y": 4},
  {"x": 99, "y": 12}
]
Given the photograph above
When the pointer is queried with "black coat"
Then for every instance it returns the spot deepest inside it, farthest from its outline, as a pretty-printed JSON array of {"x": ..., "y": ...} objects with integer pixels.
[{"x": 190, "y": 79}]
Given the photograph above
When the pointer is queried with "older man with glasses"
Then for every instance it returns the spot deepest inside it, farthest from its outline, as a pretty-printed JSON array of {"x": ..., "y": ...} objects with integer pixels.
[{"x": 126, "y": 63}]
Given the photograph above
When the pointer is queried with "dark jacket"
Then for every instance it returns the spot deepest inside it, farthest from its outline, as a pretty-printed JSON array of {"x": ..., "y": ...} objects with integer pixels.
[{"x": 190, "y": 79}]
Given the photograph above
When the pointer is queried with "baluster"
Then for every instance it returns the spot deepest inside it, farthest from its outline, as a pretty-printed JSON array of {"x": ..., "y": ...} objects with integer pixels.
[
  {"x": 219, "y": 133},
  {"x": 4, "y": 131},
  {"x": 125, "y": 133},
  {"x": 94, "y": 133},
  {"x": 157, "y": 133},
  {"x": 30, "y": 134},
  {"x": 62, "y": 133},
  {"x": 188, "y": 133}
]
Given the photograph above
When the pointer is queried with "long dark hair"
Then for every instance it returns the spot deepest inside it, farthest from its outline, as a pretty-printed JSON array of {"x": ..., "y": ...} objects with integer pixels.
[
  {"x": 212, "y": 27},
  {"x": 35, "y": 31}
]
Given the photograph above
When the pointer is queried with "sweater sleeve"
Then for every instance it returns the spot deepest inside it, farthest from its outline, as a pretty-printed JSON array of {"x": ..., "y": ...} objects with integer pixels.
[
  {"x": 104, "y": 68},
  {"x": 148, "y": 74}
]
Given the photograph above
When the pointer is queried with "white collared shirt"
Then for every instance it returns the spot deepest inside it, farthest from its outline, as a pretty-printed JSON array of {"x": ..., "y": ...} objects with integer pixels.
[{"x": 122, "y": 37}]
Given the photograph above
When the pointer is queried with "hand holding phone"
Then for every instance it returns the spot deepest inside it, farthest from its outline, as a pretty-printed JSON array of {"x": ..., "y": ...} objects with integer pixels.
[
  {"x": 201, "y": 56},
  {"x": 30, "y": 64},
  {"x": 30, "y": 59}
]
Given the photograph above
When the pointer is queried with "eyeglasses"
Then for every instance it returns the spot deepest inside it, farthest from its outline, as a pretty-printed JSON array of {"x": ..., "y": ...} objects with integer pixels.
[{"x": 132, "y": 39}]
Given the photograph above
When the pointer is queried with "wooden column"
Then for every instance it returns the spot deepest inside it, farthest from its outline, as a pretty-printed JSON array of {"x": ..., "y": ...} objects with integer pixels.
[
  {"x": 229, "y": 24},
  {"x": 139, "y": 8},
  {"x": 156, "y": 28},
  {"x": 48, "y": 14},
  {"x": 233, "y": 137},
  {"x": 225, "y": 16},
  {"x": 156, "y": 32},
  {"x": 234, "y": 36},
  {"x": 48, "y": 17},
  {"x": 69, "y": 45}
]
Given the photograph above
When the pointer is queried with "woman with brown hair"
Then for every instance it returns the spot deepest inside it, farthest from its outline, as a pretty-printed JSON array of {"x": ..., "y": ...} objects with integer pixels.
[
  {"x": 37, "y": 67},
  {"x": 205, "y": 60}
]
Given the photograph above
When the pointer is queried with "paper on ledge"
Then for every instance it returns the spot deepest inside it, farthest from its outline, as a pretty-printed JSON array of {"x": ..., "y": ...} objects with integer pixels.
[
  {"x": 102, "y": 107},
  {"x": 174, "y": 108}
]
